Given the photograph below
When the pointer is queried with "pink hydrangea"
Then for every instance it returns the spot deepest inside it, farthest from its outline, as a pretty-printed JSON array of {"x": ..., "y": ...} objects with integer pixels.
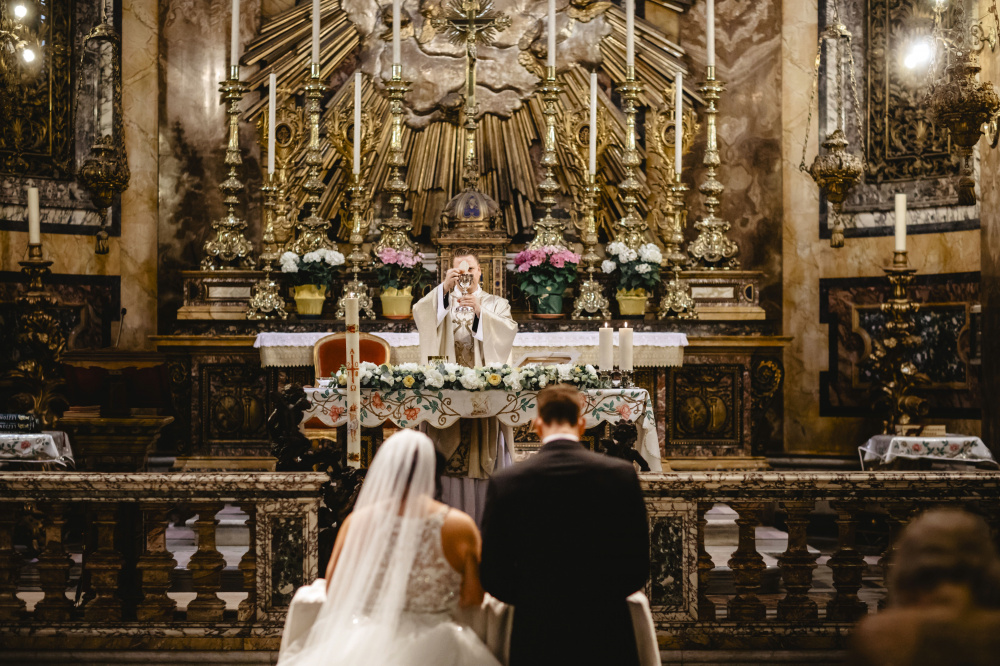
[{"x": 404, "y": 258}]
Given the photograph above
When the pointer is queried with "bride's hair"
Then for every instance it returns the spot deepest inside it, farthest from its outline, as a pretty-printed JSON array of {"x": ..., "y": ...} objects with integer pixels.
[{"x": 367, "y": 590}]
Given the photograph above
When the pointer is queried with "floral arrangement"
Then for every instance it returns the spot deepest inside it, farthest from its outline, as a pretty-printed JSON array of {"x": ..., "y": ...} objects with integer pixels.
[
  {"x": 638, "y": 269},
  {"x": 317, "y": 267},
  {"x": 544, "y": 273},
  {"x": 452, "y": 376},
  {"x": 402, "y": 269}
]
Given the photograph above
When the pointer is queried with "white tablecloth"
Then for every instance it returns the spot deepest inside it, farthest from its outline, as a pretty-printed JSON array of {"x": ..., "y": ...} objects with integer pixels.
[
  {"x": 950, "y": 448},
  {"x": 653, "y": 348},
  {"x": 45, "y": 447}
]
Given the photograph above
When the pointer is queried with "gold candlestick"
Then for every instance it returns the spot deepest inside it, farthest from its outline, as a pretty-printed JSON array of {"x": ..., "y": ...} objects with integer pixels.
[
  {"x": 712, "y": 249},
  {"x": 230, "y": 249},
  {"x": 631, "y": 228},
  {"x": 394, "y": 228},
  {"x": 549, "y": 230},
  {"x": 591, "y": 298},
  {"x": 312, "y": 229},
  {"x": 266, "y": 301},
  {"x": 677, "y": 301},
  {"x": 355, "y": 288}
]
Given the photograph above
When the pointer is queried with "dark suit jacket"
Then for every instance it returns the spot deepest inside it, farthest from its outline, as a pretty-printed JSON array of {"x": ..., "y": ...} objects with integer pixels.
[{"x": 566, "y": 540}]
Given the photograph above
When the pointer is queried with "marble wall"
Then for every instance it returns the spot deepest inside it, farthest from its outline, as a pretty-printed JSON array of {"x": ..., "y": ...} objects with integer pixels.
[{"x": 807, "y": 258}]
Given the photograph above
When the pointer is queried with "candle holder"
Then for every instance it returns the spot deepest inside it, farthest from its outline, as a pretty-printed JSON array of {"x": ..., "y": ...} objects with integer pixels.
[
  {"x": 549, "y": 230},
  {"x": 265, "y": 300},
  {"x": 590, "y": 298},
  {"x": 677, "y": 301},
  {"x": 631, "y": 228},
  {"x": 355, "y": 288},
  {"x": 230, "y": 249},
  {"x": 395, "y": 229},
  {"x": 312, "y": 229},
  {"x": 712, "y": 249},
  {"x": 625, "y": 380},
  {"x": 605, "y": 377},
  {"x": 289, "y": 136},
  {"x": 35, "y": 268}
]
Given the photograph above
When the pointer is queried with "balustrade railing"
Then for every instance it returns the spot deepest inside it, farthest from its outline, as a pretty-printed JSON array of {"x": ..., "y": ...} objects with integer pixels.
[{"x": 119, "y": 592}]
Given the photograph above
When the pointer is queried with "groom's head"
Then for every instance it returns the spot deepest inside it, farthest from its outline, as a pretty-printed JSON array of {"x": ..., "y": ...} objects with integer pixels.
[{"x": 559, "y": 411}]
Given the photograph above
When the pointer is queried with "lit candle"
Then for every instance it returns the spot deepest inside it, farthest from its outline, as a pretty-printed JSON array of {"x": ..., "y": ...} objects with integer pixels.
[
  {"x": 353, "y": 353},
  {"x": 34, "y": 221},
  {"x": 710, "y": 31},
  {"x": 552, "y": 34},
  {"x": 606, "y": 351},
  {"x": 234, "y": 46},
  {"x": 593, "y": 123},
  {"x": 395, "y": 32},
  {"x": 678, "y": 121},
  {"x": 625, "y": 348},
  {"x": 900, "y": 222},
  {"x": 272, "y": 85},
  {"x": 315, "y": 42},
  {"x": 357, "y": 122},
  {"x": 630, "y": 33}
]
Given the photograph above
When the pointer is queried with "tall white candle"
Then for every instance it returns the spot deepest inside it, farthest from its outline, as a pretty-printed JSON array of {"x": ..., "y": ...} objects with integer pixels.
[
  {"x": 315, "y": 40},
  {"x": 630, "y": 33},
  {"x": 395, "y": 32},
  {"x": 625, "y": 348},
  {"x": 593, "y": 123},
  {"x": 606, "y": 351},
  {"x": 710, "y": 31},
  {"x": 34, "y": 220},
  {"x": 678, "y": 122},
  {"x": 272, "y": 86},
  {"x": 357, "y": 122},
  {"x": 234, "y": 46},
  {"x": 900, "y": 222},
  {"x": 552, "y": 34},
  {"x": 353, "y": 343}
]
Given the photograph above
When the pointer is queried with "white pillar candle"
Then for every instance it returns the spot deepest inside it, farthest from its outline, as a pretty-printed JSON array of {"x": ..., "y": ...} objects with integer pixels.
[
  {"x": 395, "y": 32},
  {"x": 357, "y": 122},
  {"x": 630, "y": 33},
  {"x": 678, "y": 122},
  {"x": 552, "y": 34},
  {"x": 710, "y": 31},
  {"x": 593, "y": 123},
  {"x": 234, "y": 46},
  {"x": 272, "y": 86},
  {"x": 606, "y": 351},
  {"x": 625, "y": 348},
  {"x": 900, "y": 222},
  {"x": 315, "y": 40},
  {"x": 353, "y": 355},
  {"x": 34, "y": 220}
]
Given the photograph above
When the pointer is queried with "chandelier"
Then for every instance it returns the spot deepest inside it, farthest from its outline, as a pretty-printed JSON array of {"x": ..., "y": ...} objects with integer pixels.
[{"x": 20, "y": 45}]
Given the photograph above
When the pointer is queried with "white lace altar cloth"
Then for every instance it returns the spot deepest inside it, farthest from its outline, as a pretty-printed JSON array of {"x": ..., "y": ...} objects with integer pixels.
[
  {"x": 45, "y": 447},
  {"x": 950, "y": 448},
  {"x": 653, "y": 349},
  {"x": 407, "y": 408}
]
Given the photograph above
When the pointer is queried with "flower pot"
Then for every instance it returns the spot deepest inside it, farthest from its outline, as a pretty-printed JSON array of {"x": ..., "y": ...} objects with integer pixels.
[
  {"x": 309, "y": 300},
  {"x": 631, "y": 303},
  {"x": 549, "y": 305},
  {"x": 396, "y": 303}
]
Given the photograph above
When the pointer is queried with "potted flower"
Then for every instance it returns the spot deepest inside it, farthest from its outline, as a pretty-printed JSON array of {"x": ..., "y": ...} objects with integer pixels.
[
  {"x": 638, "y": 272},
  {"x": 311, "y": 275},
  {"x": 401, "y": 273},
  {"x": 543, "y": 274}
]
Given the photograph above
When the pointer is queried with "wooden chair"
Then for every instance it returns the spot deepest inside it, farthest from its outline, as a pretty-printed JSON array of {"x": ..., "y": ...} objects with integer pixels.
[{"x": 330, "y": 352}]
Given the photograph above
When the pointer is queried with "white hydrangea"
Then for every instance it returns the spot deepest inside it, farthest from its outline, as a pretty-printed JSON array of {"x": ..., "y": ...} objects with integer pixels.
[
  {"x": 649, "y": 252},
  {"x": 433, "y": 378},
  {"x": 608, "y": 266},
  {"x": 642, "y": 268},
  {"x": 628, "y": 255},
  {"x": 289, "y": 262},
  {"x": 312, "y": 257},
  {"x": 616, "y": 248},
  {"x": 471, "y": 380},
  {"x": 333, "y": 257}
]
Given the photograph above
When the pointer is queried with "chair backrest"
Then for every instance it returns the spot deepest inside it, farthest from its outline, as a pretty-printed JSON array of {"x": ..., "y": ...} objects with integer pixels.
[{"x": 330, "y": 352}]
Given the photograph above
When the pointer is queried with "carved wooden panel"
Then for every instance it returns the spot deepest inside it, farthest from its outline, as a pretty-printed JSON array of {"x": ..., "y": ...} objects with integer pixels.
[{"x": 707, "y": 405}]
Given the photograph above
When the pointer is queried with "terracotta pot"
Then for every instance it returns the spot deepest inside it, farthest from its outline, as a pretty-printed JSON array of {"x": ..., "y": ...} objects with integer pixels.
[
  {"x": 309, "y": 299},
  {"x": 396, "y": 303},
  {"x": 631, "y": 303}
]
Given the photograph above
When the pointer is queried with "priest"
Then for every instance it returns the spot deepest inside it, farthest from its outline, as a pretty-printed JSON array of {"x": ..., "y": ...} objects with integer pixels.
[{"x": 472, "y": 329}]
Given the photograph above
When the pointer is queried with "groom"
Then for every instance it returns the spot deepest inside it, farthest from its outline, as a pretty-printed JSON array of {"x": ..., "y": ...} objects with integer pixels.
[{"x": 566, "y": 541}]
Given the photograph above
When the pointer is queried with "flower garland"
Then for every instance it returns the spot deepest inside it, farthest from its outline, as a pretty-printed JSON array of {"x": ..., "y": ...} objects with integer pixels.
[{"x": 455, "y": 377}]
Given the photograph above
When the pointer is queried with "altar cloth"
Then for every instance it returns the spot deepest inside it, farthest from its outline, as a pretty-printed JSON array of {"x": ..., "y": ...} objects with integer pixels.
[
  {"x": 950, "y": 448},
  {"x": 45, "y": 447},
  {"x": 408, "y": 408},
  {"x": 660, "y": 349}
]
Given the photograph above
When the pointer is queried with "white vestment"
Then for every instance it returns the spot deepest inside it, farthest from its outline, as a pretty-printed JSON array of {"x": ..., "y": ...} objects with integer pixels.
[{"x": 472, "y": 447}]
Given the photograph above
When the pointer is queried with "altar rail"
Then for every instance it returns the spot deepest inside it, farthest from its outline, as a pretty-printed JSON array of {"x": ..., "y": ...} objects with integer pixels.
[
  {"x": 795, "y": 615},
  {"x": 127, "y": 571}
]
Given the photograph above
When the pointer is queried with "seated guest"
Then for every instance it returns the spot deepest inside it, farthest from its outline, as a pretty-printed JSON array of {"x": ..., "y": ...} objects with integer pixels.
[
  {"x": 944, "y": 593},
  {"x": 565, "y": 540}
]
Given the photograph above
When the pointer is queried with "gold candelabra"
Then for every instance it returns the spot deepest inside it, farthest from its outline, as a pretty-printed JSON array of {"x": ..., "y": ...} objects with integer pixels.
[
  {"x": 395, "y": 229},
  {"x": 631, "y": 228},
  {"x": 677, "y": 301},
  {"x": 590, "y": 298},
  {"x": 312, "y": 229},
  {"x": 355, "y": 288},
  {"x": 712, "y": 249},
  {"x": 288, "y": 138},
  {"x": 266, "y": 301},
  {"x": 549, "y": 230},
  {"x": 230, "y": 249}
]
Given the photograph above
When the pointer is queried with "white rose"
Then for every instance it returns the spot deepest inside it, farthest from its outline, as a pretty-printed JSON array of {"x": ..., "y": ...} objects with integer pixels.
[
  {"x": 408, "y": 367},
  {"x": 469, "y": 379},
  {"x": 433, "y": 378},
  {"x": 513, "y": 381},
  {"x": 642, "y": 269},
  {"x": 542, "y": 381},
  {"x": 608, "y": 266},
  {"x": 387, "y": 378},
  {"x": 565, "y": 371}
]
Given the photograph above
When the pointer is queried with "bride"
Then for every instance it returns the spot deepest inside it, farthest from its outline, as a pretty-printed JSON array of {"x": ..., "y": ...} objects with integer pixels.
[{"x": 401, "y": 565}]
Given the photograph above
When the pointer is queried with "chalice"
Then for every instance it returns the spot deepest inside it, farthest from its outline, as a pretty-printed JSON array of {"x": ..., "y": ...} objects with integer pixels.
[{"x": 465, "y": 282}]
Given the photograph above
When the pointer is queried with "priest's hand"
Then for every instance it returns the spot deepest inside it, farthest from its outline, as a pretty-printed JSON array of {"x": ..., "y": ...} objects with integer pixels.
[
  {"x": 472, "y": 301},
  {"x": 450, "y": 280}
]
